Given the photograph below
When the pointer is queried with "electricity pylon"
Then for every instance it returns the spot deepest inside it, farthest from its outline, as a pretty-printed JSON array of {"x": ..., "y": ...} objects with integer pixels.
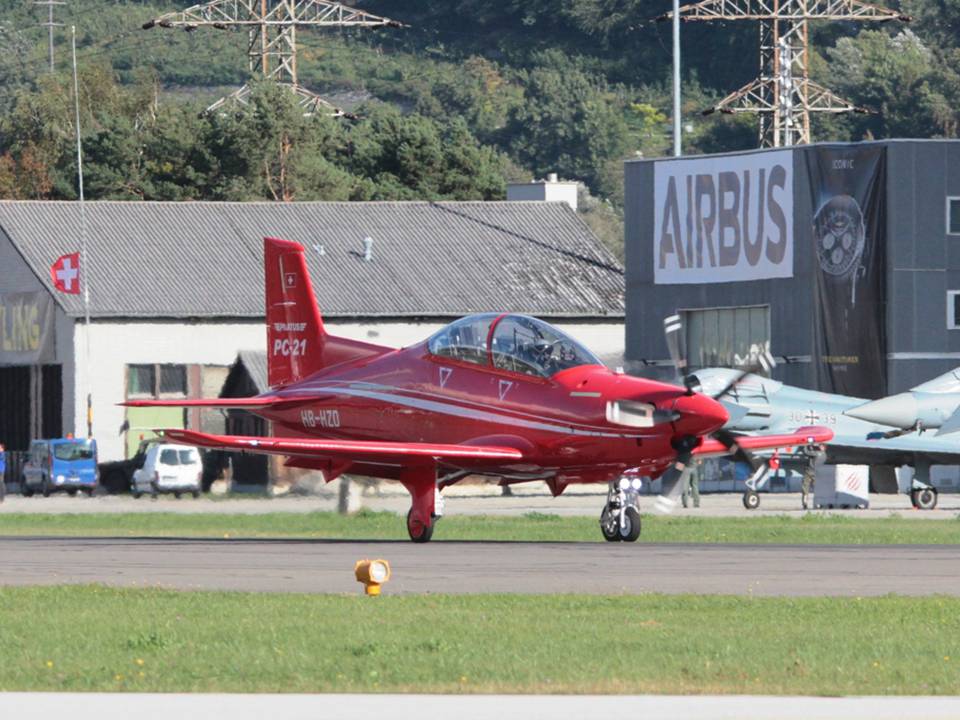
[
  {"x": 50, "y": 25},
  {"x": 783, "y": 95},
  {"x": 272, "y": 27}
]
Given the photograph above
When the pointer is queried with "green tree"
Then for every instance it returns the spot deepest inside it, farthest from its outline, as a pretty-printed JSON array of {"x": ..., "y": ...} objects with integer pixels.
[{"x": 569, "y": 123}]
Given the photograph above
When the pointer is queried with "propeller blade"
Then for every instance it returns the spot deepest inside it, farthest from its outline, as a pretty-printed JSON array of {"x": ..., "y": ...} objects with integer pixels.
[
  {"x": 676, "y": 344},
  {"x": 671, "y": 485},
  {"x": 729, "y": 441},
  {"x": 764, "y": 363}
]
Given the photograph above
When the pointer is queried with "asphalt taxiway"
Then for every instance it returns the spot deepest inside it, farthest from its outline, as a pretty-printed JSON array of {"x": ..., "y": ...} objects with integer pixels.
[{"x": 325, "y": 566}]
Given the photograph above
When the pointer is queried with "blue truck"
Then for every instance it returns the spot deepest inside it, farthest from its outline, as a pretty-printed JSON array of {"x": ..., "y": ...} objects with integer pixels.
[{"x": 61, "y": 465}]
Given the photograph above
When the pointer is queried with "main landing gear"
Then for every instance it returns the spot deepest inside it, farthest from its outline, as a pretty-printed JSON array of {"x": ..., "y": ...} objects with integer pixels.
[
  {"x": 620, "y": 519},
  {"x": 427, "y": 505}
]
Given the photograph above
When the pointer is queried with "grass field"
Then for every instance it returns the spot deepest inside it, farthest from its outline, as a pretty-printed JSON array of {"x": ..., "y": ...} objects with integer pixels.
[
  {"x": 367, "y": 525},
  {"x": 97, "y": 638}
]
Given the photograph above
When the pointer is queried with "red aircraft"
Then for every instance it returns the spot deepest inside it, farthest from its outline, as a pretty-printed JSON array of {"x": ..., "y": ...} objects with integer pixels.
[{"x": 494, "y": 394}]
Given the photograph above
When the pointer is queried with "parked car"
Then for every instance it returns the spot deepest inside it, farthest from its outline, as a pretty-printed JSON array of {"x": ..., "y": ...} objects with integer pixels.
[
  {"x": 169, "y": 468},
  {"x": 61, "y": 464}
]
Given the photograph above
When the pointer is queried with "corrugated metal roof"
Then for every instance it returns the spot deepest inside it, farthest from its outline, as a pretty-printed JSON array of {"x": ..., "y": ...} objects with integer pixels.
[{"x": 429, "y": 259}]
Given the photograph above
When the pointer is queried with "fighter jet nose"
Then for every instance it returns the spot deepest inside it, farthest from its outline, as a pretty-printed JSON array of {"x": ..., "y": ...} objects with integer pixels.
[{"x": 897, "y": 411}]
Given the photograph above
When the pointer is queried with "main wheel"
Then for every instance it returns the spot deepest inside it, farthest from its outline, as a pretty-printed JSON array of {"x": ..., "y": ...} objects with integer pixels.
[
  {"x": 418, "y": 531},
  {"x": 72, "y": 492},
  {"x": 136, "y": 494},
  {"x": 25, "y": 489},
  {"x": 610, "y": 525},
  {"x": 45, "y": 489},
  {"x": 196, "y": 494},
  {"x": 176, "y": 495},
  {"x": 927, "y": 498},
  {"x": 751, "y": 500},
  {"x": 630, "y": 527}
]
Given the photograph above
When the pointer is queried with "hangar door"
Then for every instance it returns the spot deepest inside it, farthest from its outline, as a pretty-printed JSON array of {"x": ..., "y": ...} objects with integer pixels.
[
  {"x": 726, "y": 337},
  {"x": 31, "y": 404}
]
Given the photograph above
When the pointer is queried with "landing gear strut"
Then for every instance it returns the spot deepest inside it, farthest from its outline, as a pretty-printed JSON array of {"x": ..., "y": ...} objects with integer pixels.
[
  {"x": 751, "y": 498},
  {"x": 620, "y": 519},
  {"x": 427, "y": 507}
]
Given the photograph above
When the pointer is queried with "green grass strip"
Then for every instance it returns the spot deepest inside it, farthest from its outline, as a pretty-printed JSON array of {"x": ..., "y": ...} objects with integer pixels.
[
  {"x": 95, "y": 638},
  {"x": 367, "y": 525}
]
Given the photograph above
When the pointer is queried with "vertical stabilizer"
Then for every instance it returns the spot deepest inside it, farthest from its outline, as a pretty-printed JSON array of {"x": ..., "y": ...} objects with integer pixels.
[{"x": 297, "y": 343}]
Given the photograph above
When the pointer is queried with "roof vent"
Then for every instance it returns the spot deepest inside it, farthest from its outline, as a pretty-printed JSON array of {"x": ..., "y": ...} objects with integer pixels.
[
  {"x": 552, "y": 177},
  {"x": 367, "y": 249}
]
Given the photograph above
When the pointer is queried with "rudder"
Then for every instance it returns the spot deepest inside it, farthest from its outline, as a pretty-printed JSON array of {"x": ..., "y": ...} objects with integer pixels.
[{"x": 297, "y": 343}]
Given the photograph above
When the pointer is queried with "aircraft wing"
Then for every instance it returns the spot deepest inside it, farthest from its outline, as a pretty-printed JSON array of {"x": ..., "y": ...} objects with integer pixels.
[
  {"x": 902, "y": 450},
  {"x": 254, "y": 403},
  {"x": 801, "y": 436},
  {"x": 367, "y": 451}
]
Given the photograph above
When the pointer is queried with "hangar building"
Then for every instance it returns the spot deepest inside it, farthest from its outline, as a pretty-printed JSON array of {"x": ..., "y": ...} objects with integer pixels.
[
  {"x": 176, "y": 290},
  {"x": 842, "y": 259}
]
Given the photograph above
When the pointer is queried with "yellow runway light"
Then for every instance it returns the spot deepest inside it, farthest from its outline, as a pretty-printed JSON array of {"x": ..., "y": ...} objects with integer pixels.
[{"x": 372, "y": 573}]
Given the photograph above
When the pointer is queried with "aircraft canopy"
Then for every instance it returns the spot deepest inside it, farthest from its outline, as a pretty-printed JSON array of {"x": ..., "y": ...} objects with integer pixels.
[{"x": 517, "y": 343}]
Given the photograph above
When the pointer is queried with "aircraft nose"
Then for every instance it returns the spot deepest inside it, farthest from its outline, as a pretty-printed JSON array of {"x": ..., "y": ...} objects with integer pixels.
[
  {"x": 707, "y": 413},
  {"x": 897, "y": 411}
]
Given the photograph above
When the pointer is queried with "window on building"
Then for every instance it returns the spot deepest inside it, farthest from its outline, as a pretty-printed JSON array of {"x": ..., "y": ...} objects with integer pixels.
[
  {"x": 173, "y": 380},
  {"x": 141, "y": 380},
  {"x": 953, "y": 215},
  {"x": 156, "y": 380},
  {"x": 726, "y": 337},
  {"x": 953, "y": 309}
]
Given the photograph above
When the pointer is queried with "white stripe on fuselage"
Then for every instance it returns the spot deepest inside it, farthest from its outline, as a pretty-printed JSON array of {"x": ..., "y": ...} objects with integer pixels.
[{"x": 388, "y": 394}]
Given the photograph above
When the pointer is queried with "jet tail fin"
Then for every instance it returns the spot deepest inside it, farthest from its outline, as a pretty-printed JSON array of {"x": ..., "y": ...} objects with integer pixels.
[{"x": 298, "y": 345}]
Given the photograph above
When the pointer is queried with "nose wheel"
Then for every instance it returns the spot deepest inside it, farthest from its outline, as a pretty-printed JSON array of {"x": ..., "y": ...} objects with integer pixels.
[{"x": 620, "y": 518}]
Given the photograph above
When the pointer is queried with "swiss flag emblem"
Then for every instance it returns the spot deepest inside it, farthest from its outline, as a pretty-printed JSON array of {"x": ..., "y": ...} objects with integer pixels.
[{"x": 65, "y": 273}]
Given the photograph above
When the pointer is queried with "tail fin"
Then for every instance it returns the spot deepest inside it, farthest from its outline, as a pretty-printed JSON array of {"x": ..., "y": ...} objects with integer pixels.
[{"x": 297, "y": 343}]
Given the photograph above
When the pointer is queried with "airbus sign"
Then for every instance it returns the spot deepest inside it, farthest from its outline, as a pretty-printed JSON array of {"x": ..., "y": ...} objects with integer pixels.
[{"x": 724, "y": 219}]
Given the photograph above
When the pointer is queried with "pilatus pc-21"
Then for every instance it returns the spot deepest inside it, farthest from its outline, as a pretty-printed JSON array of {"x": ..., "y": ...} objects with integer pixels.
[{"x": 499, "y": 395}]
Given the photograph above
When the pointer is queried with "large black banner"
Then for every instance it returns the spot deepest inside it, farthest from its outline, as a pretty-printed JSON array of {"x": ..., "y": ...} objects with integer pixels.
[{"x": 847, "y": 186}]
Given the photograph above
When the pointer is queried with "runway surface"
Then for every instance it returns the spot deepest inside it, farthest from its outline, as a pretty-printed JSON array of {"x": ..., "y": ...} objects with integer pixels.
[
  {"x": 316, "y": 566},
  {"x": 122, "y": 706}
]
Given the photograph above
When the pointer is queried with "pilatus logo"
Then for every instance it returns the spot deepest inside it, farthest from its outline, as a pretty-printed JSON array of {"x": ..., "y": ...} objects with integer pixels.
[{"x": 289, "y": 327}]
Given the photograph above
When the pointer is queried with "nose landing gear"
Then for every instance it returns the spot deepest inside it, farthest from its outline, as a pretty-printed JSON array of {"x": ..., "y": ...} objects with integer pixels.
[{"x": 620, "y": 519}]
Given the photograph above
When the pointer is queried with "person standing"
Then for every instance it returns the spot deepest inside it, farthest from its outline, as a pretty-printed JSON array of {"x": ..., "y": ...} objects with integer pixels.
[
  {"x": 816, "y": 456},
  {"x": 3, "y": 471},
  {"x": 691, "y": 483}
]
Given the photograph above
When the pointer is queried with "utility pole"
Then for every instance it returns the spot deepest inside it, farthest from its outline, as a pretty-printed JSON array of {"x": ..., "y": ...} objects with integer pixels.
[
  {"x": 50, "y": 24},
  {"x": 677, "y": 147},
  {"x": 783, "y": 96},
  {"x": 272, "y": 37}
]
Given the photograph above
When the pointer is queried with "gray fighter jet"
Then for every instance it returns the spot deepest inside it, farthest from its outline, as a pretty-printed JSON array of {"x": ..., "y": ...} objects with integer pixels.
[
  {"x": 760, "y": 406},
  {"x": 934, "y": 404}
]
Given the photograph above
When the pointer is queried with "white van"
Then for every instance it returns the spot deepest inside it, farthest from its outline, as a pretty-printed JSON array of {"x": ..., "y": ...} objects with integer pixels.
[{"x": 169, "y": 468}]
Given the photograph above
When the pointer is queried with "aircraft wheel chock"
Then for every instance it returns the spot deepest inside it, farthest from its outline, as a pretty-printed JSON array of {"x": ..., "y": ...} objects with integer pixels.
[
  {"x": 417, "y": 530},
  {"x": 926, "y": 498},
  {"x": 751, "y": 500},
  {"x": 630, "y": 528}
]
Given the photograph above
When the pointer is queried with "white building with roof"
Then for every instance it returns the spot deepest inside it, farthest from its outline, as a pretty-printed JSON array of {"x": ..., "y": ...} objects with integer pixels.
[{"x": 176, "y": 289}]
